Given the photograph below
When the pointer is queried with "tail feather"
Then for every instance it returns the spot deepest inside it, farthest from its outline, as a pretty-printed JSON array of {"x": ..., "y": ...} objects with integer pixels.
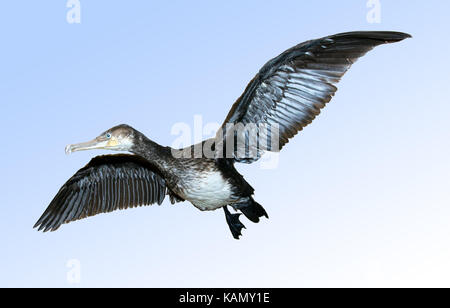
[{"x": 252, "y": 210}]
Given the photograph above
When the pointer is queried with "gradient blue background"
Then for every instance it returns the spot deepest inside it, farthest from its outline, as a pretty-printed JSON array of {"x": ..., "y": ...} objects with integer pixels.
[{"x": 360, "y": 198}]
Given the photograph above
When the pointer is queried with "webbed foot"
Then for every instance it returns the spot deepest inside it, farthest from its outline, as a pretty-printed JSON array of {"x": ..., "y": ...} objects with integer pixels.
[{"x": 234, "y": 223}]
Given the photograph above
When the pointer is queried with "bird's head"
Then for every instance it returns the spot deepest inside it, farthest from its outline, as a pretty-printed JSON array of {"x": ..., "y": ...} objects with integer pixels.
[{"x": 118, "y": 138}]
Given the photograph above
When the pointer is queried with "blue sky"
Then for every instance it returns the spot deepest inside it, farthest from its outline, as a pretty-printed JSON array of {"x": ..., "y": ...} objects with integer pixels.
[{"x": 360, "y": 197}]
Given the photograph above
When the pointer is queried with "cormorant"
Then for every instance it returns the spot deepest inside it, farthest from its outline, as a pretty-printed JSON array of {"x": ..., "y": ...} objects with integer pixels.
[{"x": 284, "y": 97}]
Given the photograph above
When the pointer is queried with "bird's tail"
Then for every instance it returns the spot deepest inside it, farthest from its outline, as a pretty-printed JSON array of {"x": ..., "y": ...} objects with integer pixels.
[{"x": 251, "y": 209}]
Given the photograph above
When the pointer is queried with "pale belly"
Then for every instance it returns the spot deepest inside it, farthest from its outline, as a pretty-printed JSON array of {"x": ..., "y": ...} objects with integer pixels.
[{"x": 209, "y": 191}]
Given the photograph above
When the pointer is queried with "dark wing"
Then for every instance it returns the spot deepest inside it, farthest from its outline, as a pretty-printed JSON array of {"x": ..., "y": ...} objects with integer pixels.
[
  {"x": 290, "y": 90},
  {"x": 107, "y": 183}
]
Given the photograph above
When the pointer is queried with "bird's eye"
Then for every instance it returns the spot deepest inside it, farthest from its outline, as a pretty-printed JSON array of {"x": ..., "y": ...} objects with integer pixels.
[{"x": 108, "y": 136}]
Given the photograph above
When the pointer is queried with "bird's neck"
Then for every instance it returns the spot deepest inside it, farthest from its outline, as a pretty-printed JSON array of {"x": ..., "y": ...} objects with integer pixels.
[{"x": 152, "y": 151}]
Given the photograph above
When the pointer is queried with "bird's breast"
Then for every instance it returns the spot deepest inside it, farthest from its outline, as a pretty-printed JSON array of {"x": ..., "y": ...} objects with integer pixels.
[{"x": 206, "y": 190}]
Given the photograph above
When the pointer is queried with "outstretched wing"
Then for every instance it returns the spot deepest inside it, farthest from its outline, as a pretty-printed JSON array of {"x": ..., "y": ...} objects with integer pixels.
[
  {"x": 290, "y": 90},
  {"x": 106, "y": 184}
]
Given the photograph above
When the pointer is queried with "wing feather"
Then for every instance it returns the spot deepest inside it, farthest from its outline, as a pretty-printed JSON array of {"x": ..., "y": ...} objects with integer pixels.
[
  {"x": 105, "y": 184},
  {"x": 289, "y": 91}
]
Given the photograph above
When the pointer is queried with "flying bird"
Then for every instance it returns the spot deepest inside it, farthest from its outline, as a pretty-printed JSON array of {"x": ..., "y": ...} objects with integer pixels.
[{"x": 285, "y": 96}]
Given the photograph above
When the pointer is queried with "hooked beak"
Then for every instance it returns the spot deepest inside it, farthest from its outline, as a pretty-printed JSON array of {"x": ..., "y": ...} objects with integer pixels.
[{"x": 90, "y": 145}]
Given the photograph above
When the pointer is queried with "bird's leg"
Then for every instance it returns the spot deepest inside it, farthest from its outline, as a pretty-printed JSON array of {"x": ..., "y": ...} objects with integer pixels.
[{"x": 234, "y": 223}]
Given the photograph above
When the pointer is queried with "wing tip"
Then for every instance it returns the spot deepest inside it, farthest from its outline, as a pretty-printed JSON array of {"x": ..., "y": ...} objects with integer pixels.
[
  {"x": 38, "y": 225},
  {"x": 385, "y": 36},
  {"x": 45, "y": 227},
  {"x": 392, "y": 37}
]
